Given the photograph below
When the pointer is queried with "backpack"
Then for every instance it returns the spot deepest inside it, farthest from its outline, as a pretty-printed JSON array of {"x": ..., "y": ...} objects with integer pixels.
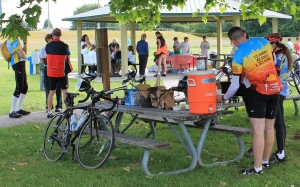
[{"x": 5, "y": 52}]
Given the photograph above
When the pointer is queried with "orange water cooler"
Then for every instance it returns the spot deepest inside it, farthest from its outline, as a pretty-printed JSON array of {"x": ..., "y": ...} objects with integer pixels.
[{"x": 202, "y": 92}]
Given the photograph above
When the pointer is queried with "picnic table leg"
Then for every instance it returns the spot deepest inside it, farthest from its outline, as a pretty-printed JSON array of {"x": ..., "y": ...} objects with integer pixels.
[
  {"x": 130, "y": 123},
  {"x": 118, "y": 121},
  {"x": 193, "y": 155},
  {"x": 296, "y": 107},
  {"x": 201, "y": 143}
]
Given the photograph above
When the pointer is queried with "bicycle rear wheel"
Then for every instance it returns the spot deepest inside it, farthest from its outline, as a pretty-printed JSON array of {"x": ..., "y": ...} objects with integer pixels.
[
  {"x": 95, "y": 142},
  {"x": 296, "y": 81},
  {"x": 55, "y": 136}
]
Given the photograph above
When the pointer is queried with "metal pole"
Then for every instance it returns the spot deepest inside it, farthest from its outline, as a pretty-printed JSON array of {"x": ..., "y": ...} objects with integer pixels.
[
  {"x": 48, "y": 14},
  {"x": 1, "y": 12}
]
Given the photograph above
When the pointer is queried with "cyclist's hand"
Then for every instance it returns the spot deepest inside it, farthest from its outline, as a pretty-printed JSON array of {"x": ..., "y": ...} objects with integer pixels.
[{"x": 219, "y": 99}]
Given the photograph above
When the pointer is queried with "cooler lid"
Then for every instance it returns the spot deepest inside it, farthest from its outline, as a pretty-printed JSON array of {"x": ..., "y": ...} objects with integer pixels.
[{"x": 203, "y": 72}]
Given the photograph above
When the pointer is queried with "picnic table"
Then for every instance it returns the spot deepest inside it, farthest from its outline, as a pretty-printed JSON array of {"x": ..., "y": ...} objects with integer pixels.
[
  {"x": 182, "y": 118},
  {"x": 181, "y": 61}
]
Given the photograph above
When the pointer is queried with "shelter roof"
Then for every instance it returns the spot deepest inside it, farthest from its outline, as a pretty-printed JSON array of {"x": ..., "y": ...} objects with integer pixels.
[{"x": 177, "y": 14}]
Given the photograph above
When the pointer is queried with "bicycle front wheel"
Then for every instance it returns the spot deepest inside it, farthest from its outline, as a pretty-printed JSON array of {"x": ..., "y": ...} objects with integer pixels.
[
  {"x": 95, "y": 142},
  {"x": 55, "y": 134}
]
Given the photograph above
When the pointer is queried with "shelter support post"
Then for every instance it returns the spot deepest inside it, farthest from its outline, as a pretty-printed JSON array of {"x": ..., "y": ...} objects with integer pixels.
[
  {"x": 237, "y": 21},
  {"x": 79, "y": 34},
  {"x": 102, "y": 56},
  {"x": 124, "y": 51},
  {"x": 132, "y": 34},
  {"x": 274, "y": 25},
  {"x": 219, "y": 39}
]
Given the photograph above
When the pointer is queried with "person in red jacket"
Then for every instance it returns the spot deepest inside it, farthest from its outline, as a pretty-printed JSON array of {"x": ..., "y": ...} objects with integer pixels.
[{"x": 57, "y": 53}]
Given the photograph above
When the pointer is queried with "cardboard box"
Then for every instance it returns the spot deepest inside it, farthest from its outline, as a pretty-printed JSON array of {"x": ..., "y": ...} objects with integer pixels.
[{"x": 132, "y": 98}]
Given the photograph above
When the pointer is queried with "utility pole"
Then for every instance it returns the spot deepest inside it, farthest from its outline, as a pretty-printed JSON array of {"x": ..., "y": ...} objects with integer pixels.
[
  {"x": 1, "y": 12},
  {"x": 48, "y": 14}
]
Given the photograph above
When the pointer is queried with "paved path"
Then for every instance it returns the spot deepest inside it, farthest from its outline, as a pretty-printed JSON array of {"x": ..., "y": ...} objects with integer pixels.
[
  {"x": 34, "y": 117},
  {"x": 5, "y": 121}
]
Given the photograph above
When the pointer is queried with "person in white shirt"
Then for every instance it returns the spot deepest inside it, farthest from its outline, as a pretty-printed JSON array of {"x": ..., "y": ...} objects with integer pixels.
[
  {"x": 290, "y": 45},
  {"x": 91, "y": 59},
  {"x": 131, "y": 57},
  {"x": 185, "y": 46},
  {"x": 84, "y": 53},
  {"x": 84, "y": 40},
  {"x": 204, "y": 46}
]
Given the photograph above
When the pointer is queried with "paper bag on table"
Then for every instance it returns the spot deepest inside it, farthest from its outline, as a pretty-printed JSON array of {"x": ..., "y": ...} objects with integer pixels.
[
  {"x": 162, "y": 98},
  {"x": 145, "y": 100}
]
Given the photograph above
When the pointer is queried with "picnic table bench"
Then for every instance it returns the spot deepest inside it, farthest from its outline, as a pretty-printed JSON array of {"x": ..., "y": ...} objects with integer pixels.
[{"x": 183, "y": 119}]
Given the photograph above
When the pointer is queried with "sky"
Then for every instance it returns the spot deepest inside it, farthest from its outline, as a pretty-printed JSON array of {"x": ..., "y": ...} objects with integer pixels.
[{"x": 58, "y": 10}]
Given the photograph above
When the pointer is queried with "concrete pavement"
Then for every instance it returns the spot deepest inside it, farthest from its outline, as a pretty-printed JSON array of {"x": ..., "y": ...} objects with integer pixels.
[{"x": 5, "y": 121}]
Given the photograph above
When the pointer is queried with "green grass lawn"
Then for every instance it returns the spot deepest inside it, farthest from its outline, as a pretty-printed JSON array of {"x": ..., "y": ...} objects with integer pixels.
[{"x": 22, "y": 162}]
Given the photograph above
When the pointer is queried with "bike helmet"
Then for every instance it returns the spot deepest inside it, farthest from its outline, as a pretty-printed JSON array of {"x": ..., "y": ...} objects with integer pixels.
[
  {"x": 83, "y": 85},
  {"x": 274, "y": 37}
]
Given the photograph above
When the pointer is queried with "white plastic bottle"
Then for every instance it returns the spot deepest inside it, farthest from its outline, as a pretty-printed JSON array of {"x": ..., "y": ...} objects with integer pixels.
[
  {"x": 219, "y": 92},
  {"x": 81, "y": 120},
  {"x": 73, "y": 122}
]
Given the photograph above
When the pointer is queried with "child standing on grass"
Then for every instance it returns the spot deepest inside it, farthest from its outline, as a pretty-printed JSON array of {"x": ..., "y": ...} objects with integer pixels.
[
  {"x": 185, "y": 46},
  {"x": 204, "y": 46},
  {"x": 176, "y": 46}
]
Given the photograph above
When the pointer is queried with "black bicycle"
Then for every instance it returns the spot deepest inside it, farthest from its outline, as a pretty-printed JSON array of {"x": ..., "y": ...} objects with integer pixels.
[
  {"x": 295, "y": 75},
  {"x": 95, "y": 136}
]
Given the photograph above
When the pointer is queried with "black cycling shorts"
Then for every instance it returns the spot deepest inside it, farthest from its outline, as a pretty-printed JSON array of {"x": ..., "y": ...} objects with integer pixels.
[
  {"x": 61, "y": 81},
  {"x": 259, "y": 105}
]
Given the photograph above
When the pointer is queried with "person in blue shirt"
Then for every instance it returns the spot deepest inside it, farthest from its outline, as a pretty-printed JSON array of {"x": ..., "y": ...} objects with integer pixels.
[
  {"x": 143, "y": 51},
  {"x": 283, "y": 64}
]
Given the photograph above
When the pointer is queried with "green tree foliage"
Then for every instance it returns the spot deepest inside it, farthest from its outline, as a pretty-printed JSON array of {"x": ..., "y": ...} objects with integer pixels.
[
  {"x": 47, "y": 24},
  {"x": 16, "y": 25},
  {"x": 144, "y": 12},
  {"x": 82, "y": 9}
]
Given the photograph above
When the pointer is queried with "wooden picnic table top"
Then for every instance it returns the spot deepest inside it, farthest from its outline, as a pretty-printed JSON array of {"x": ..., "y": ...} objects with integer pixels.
[{"x": 183, "y": 115}]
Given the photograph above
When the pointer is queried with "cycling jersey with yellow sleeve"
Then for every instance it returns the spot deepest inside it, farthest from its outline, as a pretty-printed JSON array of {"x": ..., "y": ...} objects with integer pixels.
[{"x": 249, "y": 58}]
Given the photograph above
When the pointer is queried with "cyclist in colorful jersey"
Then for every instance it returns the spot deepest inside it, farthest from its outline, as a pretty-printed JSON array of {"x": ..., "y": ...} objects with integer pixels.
[
  {"x": 284, "y": 64},
  {"x": 253, "y": 64},
  {"x": 18, "y": 65}
]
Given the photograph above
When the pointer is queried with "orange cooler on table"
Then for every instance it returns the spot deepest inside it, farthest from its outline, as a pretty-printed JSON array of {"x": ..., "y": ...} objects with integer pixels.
[{"x": 202, "y": 92}]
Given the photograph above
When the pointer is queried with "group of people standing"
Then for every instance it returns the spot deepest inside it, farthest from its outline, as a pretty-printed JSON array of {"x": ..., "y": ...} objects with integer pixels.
[
  {"x": 142, "y": 49},
  {"x": 55, "y": 57},
  {"x": 183, "y": 48}
]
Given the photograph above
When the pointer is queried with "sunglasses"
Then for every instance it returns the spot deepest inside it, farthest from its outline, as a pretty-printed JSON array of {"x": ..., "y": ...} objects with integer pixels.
[{"x": 272, "y": 43}]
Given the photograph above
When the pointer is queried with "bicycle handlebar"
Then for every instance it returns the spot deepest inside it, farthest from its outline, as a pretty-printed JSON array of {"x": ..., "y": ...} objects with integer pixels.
[{"x": 89, "y": 93}]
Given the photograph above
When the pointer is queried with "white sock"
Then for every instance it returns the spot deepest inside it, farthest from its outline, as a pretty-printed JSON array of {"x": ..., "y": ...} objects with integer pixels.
[
  {"x": 281, "y": 155},
  {"x": 265, "y": 162},
  {"x": 20, "y": 101},
  {"x": 13, "y": 104},
  {"x": 258, "y": 169}
]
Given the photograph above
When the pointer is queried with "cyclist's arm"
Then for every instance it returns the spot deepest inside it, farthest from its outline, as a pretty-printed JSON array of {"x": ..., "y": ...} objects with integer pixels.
[
  {"x": 21, "y": 53},
  {"x": 234, "y": 86}
]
